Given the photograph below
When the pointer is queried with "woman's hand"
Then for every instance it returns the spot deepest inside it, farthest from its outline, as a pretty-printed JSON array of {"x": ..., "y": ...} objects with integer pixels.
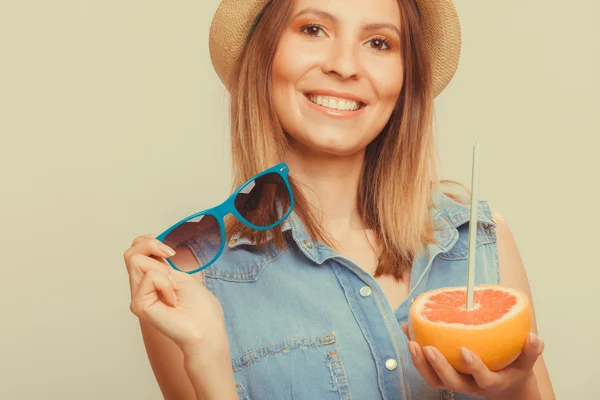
[
  {"x": 175, "y": 303},
  {"x": 437, "y": 372}
]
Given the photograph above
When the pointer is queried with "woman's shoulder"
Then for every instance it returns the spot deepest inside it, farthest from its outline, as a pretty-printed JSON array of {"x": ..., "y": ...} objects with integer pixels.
[
  {"x": 456, "y": 209},
  {"x": 452, "y": 214}
]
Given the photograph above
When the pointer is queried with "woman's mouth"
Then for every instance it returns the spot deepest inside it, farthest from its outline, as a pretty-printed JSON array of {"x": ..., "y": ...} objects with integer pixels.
[{"x": 334, "y": 103}]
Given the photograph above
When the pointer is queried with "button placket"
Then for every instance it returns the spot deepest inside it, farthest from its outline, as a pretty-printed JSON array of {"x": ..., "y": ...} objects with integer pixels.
[
  {"x": 390, "y": 364},
  {"x": 386, "y": 346}
]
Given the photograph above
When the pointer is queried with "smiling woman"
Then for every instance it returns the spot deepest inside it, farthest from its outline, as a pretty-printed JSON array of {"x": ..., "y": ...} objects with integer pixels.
[
  {"x": 370, "y": 56},
  {"x": 343, "y": 92}
]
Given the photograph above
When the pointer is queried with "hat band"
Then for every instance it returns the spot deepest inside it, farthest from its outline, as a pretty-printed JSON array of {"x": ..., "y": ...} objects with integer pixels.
[{"x": 258, "y": 17}]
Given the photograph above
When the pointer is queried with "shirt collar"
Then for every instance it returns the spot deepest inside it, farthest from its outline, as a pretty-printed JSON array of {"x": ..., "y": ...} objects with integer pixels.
[
  {"x": 447, "y": 213},
  {"x": 292, "y": 223}
]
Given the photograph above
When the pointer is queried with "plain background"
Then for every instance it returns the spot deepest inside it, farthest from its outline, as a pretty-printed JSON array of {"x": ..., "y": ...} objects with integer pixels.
[{"x": 114, "y": 125}]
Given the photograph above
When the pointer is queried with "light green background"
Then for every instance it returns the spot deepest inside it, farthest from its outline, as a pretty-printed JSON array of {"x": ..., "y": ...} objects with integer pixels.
[{"x": 114, "y": 124}]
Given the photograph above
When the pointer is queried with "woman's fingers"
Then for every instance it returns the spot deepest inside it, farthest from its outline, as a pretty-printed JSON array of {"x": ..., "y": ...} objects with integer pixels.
[
  {"x": 484, "y": 378},
  {"x": 450, "y": 377},
  {"x": 423, "y": 366},
  {"x": 147, "y": 247},
  {"x": 519, "y": 370},
  {"x": 139, "y": 265},
  {"x": 154, "y": 285},
  {"x": 437, "y": 371},
  {"x": 144, "y": 263},
  {"x": 146, "y": 254}
]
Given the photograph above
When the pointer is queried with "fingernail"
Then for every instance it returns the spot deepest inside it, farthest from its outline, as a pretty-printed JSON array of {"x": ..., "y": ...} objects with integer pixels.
[
  {"x": 466, "y": 355},
  {"x": 411, "y": 348},
  {"x": 533, "y": 339},
  {"x": 167, "y": 249},
  {"x": 174, "y": 298},
  {"x": 429, "y": 353}
]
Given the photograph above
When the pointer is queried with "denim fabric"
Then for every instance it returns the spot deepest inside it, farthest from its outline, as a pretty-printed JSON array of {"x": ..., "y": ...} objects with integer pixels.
[{"x": 299, "y": 327}]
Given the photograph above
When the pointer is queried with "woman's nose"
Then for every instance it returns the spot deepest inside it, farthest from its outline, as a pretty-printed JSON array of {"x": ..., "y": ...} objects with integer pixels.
[{"x": 342, "y": 59}]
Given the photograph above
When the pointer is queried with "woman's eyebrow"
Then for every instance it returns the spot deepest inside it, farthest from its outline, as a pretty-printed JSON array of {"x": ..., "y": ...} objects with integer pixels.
[
  {"x": 318, "y": 13},
  {"x": 332, "y": 18},
  {"x": 375, "y": 27}
]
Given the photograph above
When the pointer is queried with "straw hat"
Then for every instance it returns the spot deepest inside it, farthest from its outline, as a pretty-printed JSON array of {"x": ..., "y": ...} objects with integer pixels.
[{"x": 234, "y": 19}]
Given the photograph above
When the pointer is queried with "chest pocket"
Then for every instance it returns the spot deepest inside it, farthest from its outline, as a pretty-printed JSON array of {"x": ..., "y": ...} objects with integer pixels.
[
  {"x": 302, "y": 368},
  {"x": 450, "y": 395}
]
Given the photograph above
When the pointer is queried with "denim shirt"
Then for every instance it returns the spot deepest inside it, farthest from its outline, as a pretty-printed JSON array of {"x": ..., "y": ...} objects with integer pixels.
[{"x": 306, "y": 323}]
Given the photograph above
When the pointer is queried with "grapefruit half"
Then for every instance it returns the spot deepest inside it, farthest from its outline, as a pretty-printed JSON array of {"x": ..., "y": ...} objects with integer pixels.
[{"x": 495, "y": 329}]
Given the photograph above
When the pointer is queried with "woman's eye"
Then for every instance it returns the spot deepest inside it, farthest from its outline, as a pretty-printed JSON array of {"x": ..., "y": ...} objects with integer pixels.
[
  {"x": 380, "y": 44},
  {"x": 312, "y": 30}
]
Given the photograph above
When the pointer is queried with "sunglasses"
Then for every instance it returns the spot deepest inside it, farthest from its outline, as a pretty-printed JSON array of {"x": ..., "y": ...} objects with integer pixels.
[{"x": 261, "y": 203}]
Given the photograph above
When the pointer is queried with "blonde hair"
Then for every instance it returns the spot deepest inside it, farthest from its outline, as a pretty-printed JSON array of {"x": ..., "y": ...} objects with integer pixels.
[{"x": 395, "y": 190}]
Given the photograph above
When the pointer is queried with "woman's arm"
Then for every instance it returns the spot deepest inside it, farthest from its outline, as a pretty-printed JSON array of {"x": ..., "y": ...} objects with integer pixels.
[
  {"x": 166, "y": 360},
  {"x": 199, "y": 373},
  {"x": 210, "y": 372},
  {"x": 512, "y": 274}
]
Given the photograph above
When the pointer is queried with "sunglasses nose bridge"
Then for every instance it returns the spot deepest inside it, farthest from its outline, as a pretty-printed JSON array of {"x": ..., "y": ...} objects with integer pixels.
[{"x": 223, "y": 209}]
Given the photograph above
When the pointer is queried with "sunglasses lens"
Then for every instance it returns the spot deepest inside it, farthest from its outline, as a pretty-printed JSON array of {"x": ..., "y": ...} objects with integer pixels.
[
  {"x": 202, "y": 235},
  {"x": 264, "y": 201}
]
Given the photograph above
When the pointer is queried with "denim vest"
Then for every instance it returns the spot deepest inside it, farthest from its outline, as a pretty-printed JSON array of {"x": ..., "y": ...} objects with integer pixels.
[{"x": 305, "y": 323}]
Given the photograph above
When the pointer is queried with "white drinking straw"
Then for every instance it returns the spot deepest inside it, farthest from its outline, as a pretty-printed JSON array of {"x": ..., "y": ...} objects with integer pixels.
[{"x": 473, "y": 225}]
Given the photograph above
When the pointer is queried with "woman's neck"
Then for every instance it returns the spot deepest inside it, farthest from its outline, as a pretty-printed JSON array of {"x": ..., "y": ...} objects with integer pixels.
[{"x": 330, "y": 184}]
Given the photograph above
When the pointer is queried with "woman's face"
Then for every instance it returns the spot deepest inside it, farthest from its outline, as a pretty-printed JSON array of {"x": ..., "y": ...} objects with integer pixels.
[{"x": 337, "y": 73}]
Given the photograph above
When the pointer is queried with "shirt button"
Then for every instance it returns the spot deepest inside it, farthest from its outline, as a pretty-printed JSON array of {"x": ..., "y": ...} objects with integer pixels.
[
  {"x": 365, "y": 291},
  {"x": 391, "y": 364},
  {"x": 307, "y": 244}
]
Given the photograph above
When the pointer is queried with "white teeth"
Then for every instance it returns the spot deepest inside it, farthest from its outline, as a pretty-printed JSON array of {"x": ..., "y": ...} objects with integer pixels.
[{"x": 334, "y": 103}]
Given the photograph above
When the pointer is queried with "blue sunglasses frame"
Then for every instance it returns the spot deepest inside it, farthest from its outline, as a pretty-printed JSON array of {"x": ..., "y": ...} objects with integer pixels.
[{"x": 228, "y": 207}]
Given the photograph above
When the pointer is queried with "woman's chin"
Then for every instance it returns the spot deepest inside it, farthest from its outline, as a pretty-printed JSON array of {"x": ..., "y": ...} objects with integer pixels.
[{"x": 332, "y": 147}]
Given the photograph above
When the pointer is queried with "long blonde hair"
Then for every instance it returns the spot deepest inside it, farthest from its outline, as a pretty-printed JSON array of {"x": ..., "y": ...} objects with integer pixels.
[{"x": 400, "y": 168}]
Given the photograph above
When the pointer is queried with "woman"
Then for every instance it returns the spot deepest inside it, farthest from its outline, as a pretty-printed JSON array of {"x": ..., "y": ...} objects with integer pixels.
[{"x": 343, "y": 93}]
